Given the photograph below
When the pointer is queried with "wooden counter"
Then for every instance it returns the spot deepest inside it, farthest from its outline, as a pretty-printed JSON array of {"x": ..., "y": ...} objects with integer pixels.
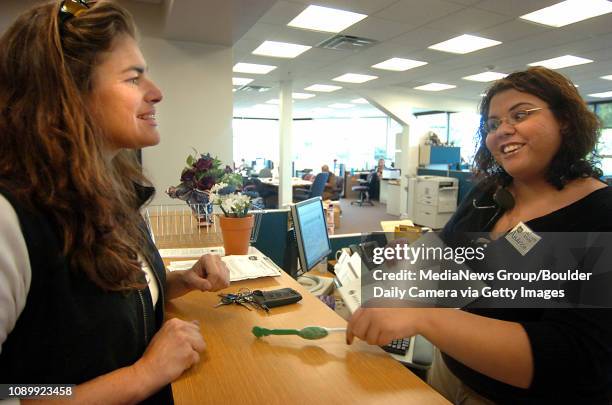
[{"x": 238, "y": 368}]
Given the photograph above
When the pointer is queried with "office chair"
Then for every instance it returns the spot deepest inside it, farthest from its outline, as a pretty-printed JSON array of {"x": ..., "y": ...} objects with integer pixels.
[
  {"x": 316, "y": 189},
  {"x": 364, "y": 188},
  {"x": 338, "y": 189}
]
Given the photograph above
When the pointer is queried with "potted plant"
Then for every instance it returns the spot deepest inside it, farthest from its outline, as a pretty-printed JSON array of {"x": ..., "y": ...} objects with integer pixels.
[
  {"x": 236, "y": 223},
  {"x": 202, "y": 172}
]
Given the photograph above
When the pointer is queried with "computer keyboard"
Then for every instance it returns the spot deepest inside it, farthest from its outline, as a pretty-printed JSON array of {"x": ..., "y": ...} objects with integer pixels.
[{"x": 398, "y": 346}]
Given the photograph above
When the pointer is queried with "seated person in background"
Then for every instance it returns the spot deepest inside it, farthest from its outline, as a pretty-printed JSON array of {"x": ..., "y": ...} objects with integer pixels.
[
  {"x": 375, "y": 182},
  {"x": 330, "y": 186},
  {"x": 380, "y": 168},
  {"x": 536, "y": 138}
]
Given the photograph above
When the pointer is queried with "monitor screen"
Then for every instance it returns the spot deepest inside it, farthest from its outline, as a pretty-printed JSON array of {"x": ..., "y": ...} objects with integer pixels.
[
  {"x": 311, "y": 232},
  {"x": 391, "y": 174}
]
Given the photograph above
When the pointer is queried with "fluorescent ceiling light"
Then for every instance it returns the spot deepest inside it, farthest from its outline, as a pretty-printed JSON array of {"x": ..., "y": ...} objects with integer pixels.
[
  {"x": 605, "y": 94},
  {"x": 302, "y": 96},
  {"x": 253, "y": 68},
  {"x": 325, "y": 19},
  {"x": 234, "y": 90},
  {"x": 341, "y": 105},
  {"x": 435, "y": 87},
  {"x": 280, "y": 49},
  {"x": 569, "y": 12},
  {"x": 561, "y": 62},
  {"x": 486, "y": 77},
  {"x": 354, "y": 78},
  {"x": 326, "y": 88},
  {"x": 360, "y": 101},
  {"x": 464, "y": 44},
  {"x": 241, "y": 81},
  {"x": 399, "y": 64},
  {"x": 608, "y": 77}
]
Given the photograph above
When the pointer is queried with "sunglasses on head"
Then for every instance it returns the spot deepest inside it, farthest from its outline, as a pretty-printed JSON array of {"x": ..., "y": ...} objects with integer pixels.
[{"x": 71, "y": 8}]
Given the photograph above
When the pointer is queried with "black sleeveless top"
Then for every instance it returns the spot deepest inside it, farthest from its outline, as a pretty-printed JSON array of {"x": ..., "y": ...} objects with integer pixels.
[{"x": 70, "y": 330}]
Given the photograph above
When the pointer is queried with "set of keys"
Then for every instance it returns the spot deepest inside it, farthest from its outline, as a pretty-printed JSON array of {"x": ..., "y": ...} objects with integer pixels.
[{"x": 244, "y": 297}]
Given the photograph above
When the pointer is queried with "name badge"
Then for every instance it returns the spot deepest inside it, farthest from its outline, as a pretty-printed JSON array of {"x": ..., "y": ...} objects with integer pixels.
[{"x": 522, "y": 238}]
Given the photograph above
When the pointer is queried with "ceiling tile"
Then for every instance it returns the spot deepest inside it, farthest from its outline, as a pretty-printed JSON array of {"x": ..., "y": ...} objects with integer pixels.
[
  {"x": 514, "y": 8},
  {"x": 378, "y": 29},
  {"x": 594, "y": 26},
  {"x": 368, "y": 7},
  {"x": 406, "y": 11},
  {"x": 512, "y": 30},
  {"x": 469, "y": 21}
]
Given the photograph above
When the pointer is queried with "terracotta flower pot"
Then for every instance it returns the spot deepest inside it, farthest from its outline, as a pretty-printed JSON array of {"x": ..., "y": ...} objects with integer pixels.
[{"x": 236, "y": 234}]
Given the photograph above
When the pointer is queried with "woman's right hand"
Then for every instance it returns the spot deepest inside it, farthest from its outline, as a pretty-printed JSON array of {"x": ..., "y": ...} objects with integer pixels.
[{"x": 173, "y": 349}]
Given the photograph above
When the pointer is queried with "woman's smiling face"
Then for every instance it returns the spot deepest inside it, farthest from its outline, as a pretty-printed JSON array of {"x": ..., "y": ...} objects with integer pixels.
[
  {"x": 524, "y": 149},
  {"x": 124, "y": 98}
]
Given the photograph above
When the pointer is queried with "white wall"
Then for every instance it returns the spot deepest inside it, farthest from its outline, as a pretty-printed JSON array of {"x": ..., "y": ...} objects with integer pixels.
[{"x": 196, "y": 112}]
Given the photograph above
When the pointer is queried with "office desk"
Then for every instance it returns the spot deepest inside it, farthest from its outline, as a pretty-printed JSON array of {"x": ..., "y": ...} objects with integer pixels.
[{"x": 237, "y": 368}]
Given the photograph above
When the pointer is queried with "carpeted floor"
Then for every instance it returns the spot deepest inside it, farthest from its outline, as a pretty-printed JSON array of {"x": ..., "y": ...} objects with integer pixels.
[{"x": 356, "y": 219}]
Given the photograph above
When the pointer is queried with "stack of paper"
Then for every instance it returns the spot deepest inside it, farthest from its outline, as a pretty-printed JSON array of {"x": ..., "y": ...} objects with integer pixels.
[
  {"x": 191, "y": 252},
  {"x": 240, "y": 267}
]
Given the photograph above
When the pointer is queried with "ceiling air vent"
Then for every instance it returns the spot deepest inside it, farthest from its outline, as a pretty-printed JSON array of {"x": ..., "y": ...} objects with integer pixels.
[
  {"x": 347, "y": 43},
  {"x": 258, "y": 89}
]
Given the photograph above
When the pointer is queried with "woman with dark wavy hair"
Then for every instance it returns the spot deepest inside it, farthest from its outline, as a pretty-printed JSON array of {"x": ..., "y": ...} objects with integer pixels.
[
  {"x": 537, "y": 140},
  {"x": 82, "y": 285},
  {"x": 579, "y": 131}
]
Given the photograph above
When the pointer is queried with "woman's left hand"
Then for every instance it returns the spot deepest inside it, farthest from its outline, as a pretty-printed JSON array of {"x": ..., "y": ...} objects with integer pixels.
[
  {"x": 379, "y": 326},
  {"x": 208, "y": 274}
]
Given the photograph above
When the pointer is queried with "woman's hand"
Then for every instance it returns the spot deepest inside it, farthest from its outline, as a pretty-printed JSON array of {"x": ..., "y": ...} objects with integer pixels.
[
  {"x": 208, "y": 274},
  {"x": 174, "y": 348},
  {"x": 379, "y": 326}
]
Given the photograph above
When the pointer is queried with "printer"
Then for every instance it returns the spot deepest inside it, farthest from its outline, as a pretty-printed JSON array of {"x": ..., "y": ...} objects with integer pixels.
[{"x": 435, "y": 200}]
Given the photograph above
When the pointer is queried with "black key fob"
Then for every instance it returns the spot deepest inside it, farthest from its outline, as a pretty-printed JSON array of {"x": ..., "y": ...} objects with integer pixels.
[{"x": 277, "y": 298}]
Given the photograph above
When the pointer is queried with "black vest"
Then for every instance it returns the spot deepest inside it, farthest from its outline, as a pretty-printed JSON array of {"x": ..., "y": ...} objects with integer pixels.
[{"x": 70, "y": 330}]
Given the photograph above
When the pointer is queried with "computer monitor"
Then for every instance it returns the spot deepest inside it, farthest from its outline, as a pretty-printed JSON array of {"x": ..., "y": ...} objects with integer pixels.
[
  {"x": 391, "y": 174},
  {"x": 269, "y": 233},
  {"x": 310, "y": 232}
]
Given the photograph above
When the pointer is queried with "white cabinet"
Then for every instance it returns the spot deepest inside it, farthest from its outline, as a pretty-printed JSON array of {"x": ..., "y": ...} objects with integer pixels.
[
  {"x": 382, "y": 195},
  {"x": 393, "y": 198},
  {"x": 435, "y": 200}
]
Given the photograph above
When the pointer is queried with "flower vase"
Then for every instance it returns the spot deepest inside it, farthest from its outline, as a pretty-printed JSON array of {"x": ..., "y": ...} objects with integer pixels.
[
  {"x": 201, "y": 207},
  {"x": 236, "y": 234}
]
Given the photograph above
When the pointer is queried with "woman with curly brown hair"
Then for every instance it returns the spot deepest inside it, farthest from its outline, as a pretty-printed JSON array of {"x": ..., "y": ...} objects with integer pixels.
[
  {"x": 537, "y": 139},
  {"x": 83, "y": 286}
]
